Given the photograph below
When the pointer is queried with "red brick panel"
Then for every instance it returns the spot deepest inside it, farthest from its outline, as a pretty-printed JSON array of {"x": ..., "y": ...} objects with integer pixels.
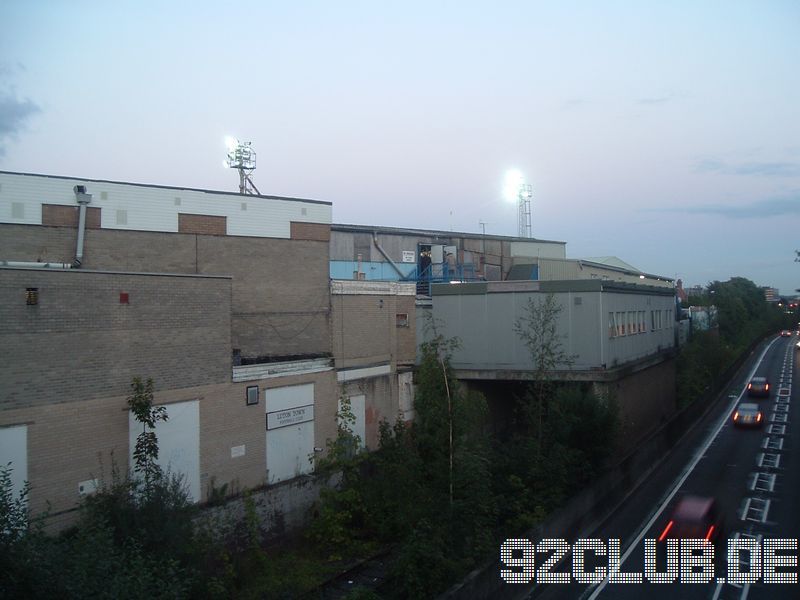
[
  {"x": 67, "y": 216},
  {"x": 203, "y": 224},
  {"x": 317, "y": 232}
]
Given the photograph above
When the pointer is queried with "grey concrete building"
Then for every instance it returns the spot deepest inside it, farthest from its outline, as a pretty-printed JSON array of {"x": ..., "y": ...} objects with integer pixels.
[{"x": 621, "y": 338}]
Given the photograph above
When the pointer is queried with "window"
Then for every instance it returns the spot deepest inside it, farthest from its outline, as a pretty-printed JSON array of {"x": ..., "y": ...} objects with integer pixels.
[
  {"x": 642, "y": 322},
  {"x": 401, "y": 319},
  {"x": 31, "y": 296},
  {"x": 612, "y": 326}
]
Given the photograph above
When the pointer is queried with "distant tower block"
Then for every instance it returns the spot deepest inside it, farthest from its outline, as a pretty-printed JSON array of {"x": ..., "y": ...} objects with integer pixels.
[{"x": 242, "y": 157}]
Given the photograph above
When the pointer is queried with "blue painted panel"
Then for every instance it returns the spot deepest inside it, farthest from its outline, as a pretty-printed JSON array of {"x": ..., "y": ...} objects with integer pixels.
[{"x": 375, "y": 271}]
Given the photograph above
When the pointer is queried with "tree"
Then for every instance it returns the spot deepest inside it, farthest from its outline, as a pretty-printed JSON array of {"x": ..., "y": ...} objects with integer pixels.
[
  {"x": 145, "y": 453},
  {"x": 538, "y": 330}
]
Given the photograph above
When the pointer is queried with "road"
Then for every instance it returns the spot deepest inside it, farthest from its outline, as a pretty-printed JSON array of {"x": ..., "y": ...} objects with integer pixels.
[{"x": 753, "y": 474}]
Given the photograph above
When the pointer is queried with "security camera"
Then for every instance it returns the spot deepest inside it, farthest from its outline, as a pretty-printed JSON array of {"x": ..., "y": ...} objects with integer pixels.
[{"x": 80, "y": 189}]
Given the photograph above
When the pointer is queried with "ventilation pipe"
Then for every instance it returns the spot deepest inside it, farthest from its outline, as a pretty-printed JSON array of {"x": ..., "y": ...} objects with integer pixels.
[
  {"x": 34, "y": 265},
  {"x": 83, "y": 199},
  {"x": 386, "y": 256}
]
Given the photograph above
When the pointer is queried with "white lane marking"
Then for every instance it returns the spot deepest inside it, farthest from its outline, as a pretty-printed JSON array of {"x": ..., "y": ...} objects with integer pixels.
[{"x": 598, "y": 587}]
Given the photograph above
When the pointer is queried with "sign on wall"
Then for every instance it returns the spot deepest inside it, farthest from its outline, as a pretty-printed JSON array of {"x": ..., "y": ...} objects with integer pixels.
[
  {"x": 291, "y": 416},
  {"x": 409, "y": 256}
]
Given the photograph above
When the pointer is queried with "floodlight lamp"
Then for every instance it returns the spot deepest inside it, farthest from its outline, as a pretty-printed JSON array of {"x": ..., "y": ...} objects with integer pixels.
[
  {"x": 231, "y": 143},
  {"x": 512, "y": 184}
]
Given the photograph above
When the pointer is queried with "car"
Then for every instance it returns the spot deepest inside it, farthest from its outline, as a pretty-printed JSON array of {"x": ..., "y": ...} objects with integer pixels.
[
  {"x": 786, "y": 333},
  {"x": 748, "y": 414},
  {"x": 696, "y": 517},
  {"x": 758, "y": 386}
]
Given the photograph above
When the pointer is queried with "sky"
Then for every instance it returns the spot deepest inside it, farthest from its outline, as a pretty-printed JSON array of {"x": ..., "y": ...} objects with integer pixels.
[{"x": 664, "y": 133}]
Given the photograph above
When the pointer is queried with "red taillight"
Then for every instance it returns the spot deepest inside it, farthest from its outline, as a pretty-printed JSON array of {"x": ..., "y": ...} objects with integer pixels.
[
  {"x": 710, "y": 531},
  {"x": 758, "y": 417},
  {"x": 749, "y": 386},
  {"x": 766, "y": 387},
  {"x": 736, "y": 416},
  {"x": 666, "y": 530}
]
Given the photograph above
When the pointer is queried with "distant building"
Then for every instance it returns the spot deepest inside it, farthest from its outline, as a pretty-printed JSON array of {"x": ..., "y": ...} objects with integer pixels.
[
  {"x": 695, "y": 291},
  {"x": 771, "y": 294},
  {"x": 680, "y": 292}
]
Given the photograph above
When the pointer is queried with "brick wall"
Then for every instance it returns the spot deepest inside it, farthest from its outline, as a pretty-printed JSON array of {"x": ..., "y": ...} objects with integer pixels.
[
  {"x": 68, "y": 216},
  {"x": 202, "y": 224},
  {"x": 280, "y": 294},
  {"x": 646, "y": 399},
  {"x": 79, "y": 341},
  {"x": 406, "y": 336},
  {"x": 365, "y": 330},
  {"x": 381, "y": 403},
  {"x": 72, "y": 442},
  {"x": 310, "y": 231}
]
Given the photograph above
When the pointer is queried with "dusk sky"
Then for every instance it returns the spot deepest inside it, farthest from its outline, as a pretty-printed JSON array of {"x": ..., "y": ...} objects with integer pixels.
[{"x": 664, "y": 133}]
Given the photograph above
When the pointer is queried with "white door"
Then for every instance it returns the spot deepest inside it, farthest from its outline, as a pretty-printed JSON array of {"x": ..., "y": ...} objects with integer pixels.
[
  {"x": 14, "y": 450},
  {"x": 178, "y": 443},
  {"x": 290, "y": 431},
  {"x": 358, "y": 408}
]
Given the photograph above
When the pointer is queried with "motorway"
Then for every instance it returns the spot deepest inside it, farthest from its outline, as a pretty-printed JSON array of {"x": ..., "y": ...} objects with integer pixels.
[{"x": 753, "y": 474}]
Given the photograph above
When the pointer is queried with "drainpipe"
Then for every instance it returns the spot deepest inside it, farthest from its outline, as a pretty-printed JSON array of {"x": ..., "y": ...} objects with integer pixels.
[
  {"x": 83, "y": 199},
  {"x": 386, "y": 256},
  {"x": 34, "y": 265}
]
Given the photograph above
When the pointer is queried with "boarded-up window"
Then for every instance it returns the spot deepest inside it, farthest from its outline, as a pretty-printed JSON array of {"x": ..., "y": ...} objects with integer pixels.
[
  {"x": 67, "y": 216},
  {"x": 202, "y": 224}
]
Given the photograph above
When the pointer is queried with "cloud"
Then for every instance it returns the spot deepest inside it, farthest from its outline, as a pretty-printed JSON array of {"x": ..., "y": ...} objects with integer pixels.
[
  {"x": 655, "y": 100},
  {"x": 14, "y": 113},
  {"x": 769, "y": 207},
  {"x": 766, "y": 169},
  {"x": 571, "y": 103}
]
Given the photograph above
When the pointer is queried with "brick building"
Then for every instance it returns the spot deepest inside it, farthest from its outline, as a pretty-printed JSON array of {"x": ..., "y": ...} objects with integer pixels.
[{"x": 222, "y": 299}]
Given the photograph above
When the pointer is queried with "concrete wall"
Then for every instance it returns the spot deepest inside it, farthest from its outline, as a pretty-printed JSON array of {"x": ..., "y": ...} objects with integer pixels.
[{"x": 483, "y": 317}]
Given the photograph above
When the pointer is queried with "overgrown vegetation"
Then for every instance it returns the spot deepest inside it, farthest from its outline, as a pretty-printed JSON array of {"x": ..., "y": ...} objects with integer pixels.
[
  {"x": 743, "y": 316},
  {"x": 441, "y": 491},
  {"x": 437, "y": 495}
]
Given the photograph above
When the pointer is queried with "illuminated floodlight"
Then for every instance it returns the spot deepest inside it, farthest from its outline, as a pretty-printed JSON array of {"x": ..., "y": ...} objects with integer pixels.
[
  {"x": 520, "y": 193},
  {"x": 242, "y": 157},
  {"x": 512, "y": 184}
]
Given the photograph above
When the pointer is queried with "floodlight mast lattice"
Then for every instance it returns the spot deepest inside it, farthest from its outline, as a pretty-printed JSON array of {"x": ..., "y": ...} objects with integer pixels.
[
  {"x": 525, "y": 194},
  {"x": 242, "y": 157}
]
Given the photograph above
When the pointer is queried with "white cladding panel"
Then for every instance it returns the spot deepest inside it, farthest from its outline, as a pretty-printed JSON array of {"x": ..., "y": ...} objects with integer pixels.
[
  {"x": 14, "y": 450},
  {"x": 539, "y": 249},
  {"x": 178, "y": 443},
  {"x": 155, "y": 208},
  {"x": 485, "y": 324}
]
